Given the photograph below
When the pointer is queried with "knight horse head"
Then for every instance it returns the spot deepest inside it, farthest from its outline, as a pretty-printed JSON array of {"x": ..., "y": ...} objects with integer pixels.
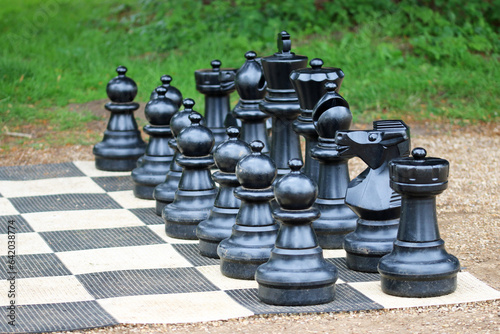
[{"x": 389, "y": 139}]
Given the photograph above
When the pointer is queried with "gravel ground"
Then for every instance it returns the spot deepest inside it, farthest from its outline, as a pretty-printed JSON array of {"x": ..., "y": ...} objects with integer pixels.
[{"x": 468, "y": 215}]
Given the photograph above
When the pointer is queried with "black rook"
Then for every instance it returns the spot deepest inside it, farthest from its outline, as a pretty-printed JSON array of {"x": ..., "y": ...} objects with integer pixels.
[
  {"x": 419, "y": 265},
  {"x": 217, "y": 108}
]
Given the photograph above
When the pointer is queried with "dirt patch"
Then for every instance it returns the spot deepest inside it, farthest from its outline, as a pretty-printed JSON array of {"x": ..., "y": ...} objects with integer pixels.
[{"x": 468, "y": 214}]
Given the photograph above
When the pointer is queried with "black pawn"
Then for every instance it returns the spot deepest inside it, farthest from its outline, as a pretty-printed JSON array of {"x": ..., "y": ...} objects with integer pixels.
[
  {"x": 255, "y": 230},
  {"x": 281, "y": 102},
  {"x": 217, "y": 107},
  {"x": 296, "y": 273},
  {"x": 251, "y": 87},
  {"x": 222, "y": 217},
  {"x": 122, "y": 144},
  {"x": 196, "y": 193},
  {"x": 309, "y": 84},
  {"x": 419, "y": 265},
  {"x": 156, "y": 161},
  {"x": 164, "y": 193},
  {"x": 332, "y": 114},
  {"x": 173, "y": 94},
  {"x": 369, "y": 194}
]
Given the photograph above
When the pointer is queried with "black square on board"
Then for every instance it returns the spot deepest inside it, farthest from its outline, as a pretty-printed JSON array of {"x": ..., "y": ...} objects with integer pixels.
[
  {"x": 34, "y": 265},
  {"x": 64, "y": 202},
  {"x": 72, "y": 240},
  {"x": 145, "y": 282}
]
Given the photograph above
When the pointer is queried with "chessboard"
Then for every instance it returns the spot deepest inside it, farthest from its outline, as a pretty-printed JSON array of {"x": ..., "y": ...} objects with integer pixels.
[{"x": 90, "y": 254}]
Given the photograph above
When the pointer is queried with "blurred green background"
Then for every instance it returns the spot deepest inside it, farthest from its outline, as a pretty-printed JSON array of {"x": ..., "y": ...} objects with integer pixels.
[{"x": 417, "y": 59}]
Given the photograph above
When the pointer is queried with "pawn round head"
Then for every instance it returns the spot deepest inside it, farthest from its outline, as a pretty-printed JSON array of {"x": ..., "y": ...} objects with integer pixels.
[
  {"x": 188, "y": 104},
  {"x": 161, "y": 91},
  {"x": 331, "y": 86},
  {"x": 334, "y": 119},
  {"x": 159, "y": 111},
  {"x": 295, "y": 191},
  {"x": 181, "y": 119},
  {"x": 250, "y": 55},
  {"x": 228, "y": 153},
  {"x": 121, "y": 89},
  {"x": 166, "y": 80},
  {"x": 256, "y": 170},
  {"x": 195, "y": 140}
]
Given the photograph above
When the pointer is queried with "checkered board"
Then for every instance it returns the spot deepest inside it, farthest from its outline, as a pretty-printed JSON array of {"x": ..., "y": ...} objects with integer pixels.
[{"x": 90, "y": 254}]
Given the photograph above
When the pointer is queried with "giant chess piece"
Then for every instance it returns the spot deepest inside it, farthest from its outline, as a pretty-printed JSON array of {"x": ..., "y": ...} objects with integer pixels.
[
  {"x": 222, "y": 217},
  {"x": 309, "y": 84},
  {"x": 369, "y": 194},
  {"x": 419, "y": 265},
  {"x": 122, "y": 144},
  {"x": 196, "y": 194},
  {"x": 217, "y": 107},
  {"x": 173, "y": 93},
  {"x": 332, "y": 114},
  {"x": 155, "y": 163},
  {"x": 164, "y": 193},
  {"x": 251, "y": 86},
  {"x": 296, "y": 273},
  {"x": 255, "y": 230},
  {"x": 282, "y": 103}
]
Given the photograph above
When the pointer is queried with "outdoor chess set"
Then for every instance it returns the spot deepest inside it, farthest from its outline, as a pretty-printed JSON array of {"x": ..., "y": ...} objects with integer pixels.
[{"x": 152, "y": 233}]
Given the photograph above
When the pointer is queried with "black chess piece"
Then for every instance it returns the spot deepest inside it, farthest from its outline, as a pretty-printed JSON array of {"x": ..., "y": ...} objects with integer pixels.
[
  {"x": 332, "y": 114},
  {"x": 254, "y": 232},
  {"x": 309, "y": 84},
  {"x": 222, "y": 216},
  {"x": 296, "y": 273},
  {"x": 122, "y": 144},
  {"x": 369, "y": 194},
  {"x": 251, "y": 87},
  {"x": 164, "y": 193},
  {"x": 155, "y": 162},
  {"x": 217, "y": 107},
  {"x": 196, "y": 193},
  {"x": 419, "y": 265},
  {"x": 172, "y": 93},
  {"x": 281, "y": 102}
]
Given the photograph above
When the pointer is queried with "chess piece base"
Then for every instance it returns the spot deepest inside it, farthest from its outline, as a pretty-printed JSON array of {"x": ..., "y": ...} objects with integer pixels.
[
  {"x": 115, "y": 165},
  {"x": 164, "y": 193},
  {"x": 419, "y": 289},
  {"x": 215, "y": 229},
  {"x": 188, "y": 209},
  {"x": 370, "y": 241},
  {"x": 296, "y": 296},
  {"x": 246, "y": 249},
  {"x": 283, "y": 281},
  {"x": 419, "y": 269},
  {"x": 150, "y": 174}
]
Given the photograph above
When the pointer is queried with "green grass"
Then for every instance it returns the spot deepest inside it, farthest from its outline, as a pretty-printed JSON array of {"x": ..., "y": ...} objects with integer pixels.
[{"x": 58, "y": 52}]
